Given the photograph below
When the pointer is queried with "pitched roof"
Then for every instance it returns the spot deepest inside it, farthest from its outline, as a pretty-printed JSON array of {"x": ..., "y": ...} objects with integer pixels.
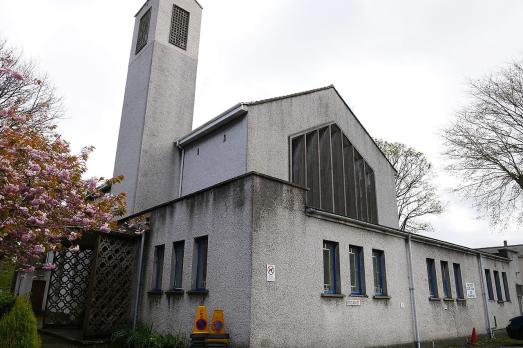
[{"x": 262, "y": 101}]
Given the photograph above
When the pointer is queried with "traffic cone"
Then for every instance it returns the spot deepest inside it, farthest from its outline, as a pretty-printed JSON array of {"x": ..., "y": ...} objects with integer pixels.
[
  {"x": 474, "y": 337},
  {"x": 217, "y": 322},
  {"x": 201, "y": 321}
]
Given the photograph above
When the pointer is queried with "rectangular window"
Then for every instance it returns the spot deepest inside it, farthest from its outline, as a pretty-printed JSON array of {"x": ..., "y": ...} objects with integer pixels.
[
  {"x": 313, "y": 169},
  {"x": 337, "y": 170},
  {"x": 143, "y": 31},
  {"x": 370, "y": 183},
  {"x": 326, "y": 188},
  {"x": 433, "y": 281},
  {"x": 200, "y": 263},
  {"x": 177, "y": 264},
  {"x": 505, "y": 285},
  {"x": 298, "y": 160},
  {"x": 331, "y": 269},
  {"x": 378, "y": 264},
  {"x": 498, "y": 286},
  {"x": 458, "y": 281},
  {"x": 350, "y": 181},
  {"x": 445, "y": 276},
  {"x": 158, "y": 267},
  {"x": 361, "y": 192},
  {"x": 179, "y": 27},
  {"x": 357, "y": 270},
  {"x": 489, "y": 285}
]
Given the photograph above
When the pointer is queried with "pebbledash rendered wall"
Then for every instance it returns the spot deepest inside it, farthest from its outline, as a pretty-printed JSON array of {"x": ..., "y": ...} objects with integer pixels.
[{"x": 254, "y": 220}]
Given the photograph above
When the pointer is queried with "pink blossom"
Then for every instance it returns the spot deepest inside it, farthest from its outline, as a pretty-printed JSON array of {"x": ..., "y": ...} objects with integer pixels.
[
  {"x": 48, "y": 266},
  {"x": 72, "y": 236},
  {"x": 105, "y": 228},
  {"x": 74, "y": 248},
  {"x": 39, "y": 248}
]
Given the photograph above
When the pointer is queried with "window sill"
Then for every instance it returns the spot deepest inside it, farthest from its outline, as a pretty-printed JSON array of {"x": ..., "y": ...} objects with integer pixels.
[
  {"x": 434, "y": 299},
  {"x": 381, "y": 297},
  {"x": 155, "y": 292},
  {"x": 358, "y": 295},
  {"x": 461, "y": 300},
  {"x": 448, "y": 299},
  {"x": 175, "y": 292},
  {"x": 501, "y": 301},
  {"x": 332, "y": 295},
  {"x": 196, "y": 292}
]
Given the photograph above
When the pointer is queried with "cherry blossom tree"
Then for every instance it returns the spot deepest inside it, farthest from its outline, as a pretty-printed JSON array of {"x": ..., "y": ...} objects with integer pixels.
[{"x": 44, "y": 201}]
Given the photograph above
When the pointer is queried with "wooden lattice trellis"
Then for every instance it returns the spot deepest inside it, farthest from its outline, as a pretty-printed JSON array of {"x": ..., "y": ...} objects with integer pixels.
[
  {"x": 68, "y": 288},
  {"x": 109, "y": 302}
]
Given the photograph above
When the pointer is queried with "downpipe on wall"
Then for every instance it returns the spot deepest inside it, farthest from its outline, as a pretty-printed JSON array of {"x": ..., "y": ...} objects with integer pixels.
[
  {"x": 138, "y": 281},
  {"x": 484, "y": 295},
  {"x": 412, "y": 291}
]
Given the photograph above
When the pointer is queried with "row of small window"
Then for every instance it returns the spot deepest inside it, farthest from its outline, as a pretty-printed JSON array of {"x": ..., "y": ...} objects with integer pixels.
[
  {"x": 445, "y": 275},
  {"x": 498, "y": 286},
  {"x": 331, "y": 270},
  {"x": 199, "y": 281}
]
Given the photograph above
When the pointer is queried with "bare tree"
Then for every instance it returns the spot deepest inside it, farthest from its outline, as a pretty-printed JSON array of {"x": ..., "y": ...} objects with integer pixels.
[
  {"x": 485, "y": 145},
  {"x": 415, "y": 195},
  {"x": 32, "y": 95}
]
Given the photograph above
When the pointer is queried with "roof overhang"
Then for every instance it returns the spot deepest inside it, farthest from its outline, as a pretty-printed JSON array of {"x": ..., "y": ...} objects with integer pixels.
[{"x": 233, "y": 113}]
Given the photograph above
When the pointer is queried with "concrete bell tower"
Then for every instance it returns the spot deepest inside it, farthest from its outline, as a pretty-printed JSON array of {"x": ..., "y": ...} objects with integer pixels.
[{"x": 159, "y": 101}]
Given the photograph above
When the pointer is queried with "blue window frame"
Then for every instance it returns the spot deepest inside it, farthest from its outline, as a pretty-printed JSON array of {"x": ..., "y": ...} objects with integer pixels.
[
  {"x": 378, "y": 263},
  {"x": 331, "y": 269},
  {"x": 489, "y": 285},
  {"x": 458, "y": 281},
  {"x": 498, "y": 286},
  {"x": 433, "y": 281},
  {"x": 200, "y": 262},
  {"x": 445, "y": 277},
  {"x": 158, "y": 267},
  {"x": 357, "y": 270},
  {"x": 177, "y": 264},
  {"x": 505, "y": 285}
]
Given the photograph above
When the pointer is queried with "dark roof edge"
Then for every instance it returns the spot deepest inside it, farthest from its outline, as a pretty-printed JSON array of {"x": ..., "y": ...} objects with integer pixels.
[
  {"x": 268, "y": 100},
  {"x": 222, "y": 183},
  {"x": 398, "y": 233}
]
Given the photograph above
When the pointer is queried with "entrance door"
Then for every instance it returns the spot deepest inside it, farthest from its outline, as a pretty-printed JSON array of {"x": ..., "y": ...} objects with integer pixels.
[{"x": 37, "y": 294}]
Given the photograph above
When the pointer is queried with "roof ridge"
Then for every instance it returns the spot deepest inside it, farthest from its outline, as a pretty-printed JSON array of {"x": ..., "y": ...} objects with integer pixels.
[{"x": 268, "y": 100}]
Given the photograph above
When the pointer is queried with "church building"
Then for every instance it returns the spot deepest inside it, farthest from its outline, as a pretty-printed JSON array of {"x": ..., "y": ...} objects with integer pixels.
[{"x": 282, "y": 212}]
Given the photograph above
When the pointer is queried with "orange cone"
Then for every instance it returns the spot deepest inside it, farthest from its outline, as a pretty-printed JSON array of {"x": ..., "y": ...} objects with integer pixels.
[
  {"x": 201, "y": 322},
  {"x": 474, "y": 337},
  {"x": 217, "y": 322}
]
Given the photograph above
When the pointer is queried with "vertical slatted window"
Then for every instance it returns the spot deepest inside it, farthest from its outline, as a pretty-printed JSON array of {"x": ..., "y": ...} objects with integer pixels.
[
  {"x": 179, "y": 27},
  {"x": 313, "y": 170},
  {"x": 489, "y": 285},
  {"x": 177, "y": 264},
  {"x": 445, "y": 277},
  {"x": 143, "y": 31},
  {"x": 433, "y": 281},
  {"x": 458, "y": 281},
  {"x": 505, "y": 285},
  {"x": 338, "y": 178},
  {"x": 498, "y": 286},
  {"x": 158, "y": 267}
]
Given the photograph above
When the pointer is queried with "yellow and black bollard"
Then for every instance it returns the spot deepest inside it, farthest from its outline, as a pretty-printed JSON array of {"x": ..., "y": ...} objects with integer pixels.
[{"x": 205, "y": 335}]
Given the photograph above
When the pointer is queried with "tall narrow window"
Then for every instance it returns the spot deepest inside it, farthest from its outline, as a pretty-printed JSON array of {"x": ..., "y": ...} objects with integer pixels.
[
  {"x": 433, "y": 281},
  {"x": 179, "y": 27},
  {"x": 380, "y": 280},
  {"x": 177, "y": 264},
  {"x": 143, "y": 31},
  {"x": 337, "y": 170},
  {"x": 357, "y": 270},
  {"x": 331, "y": 269},
  {"x": 458, "y": 281},
  {"x": 505, "y": 285},
  {"x": 200, "y": 263},
  {"x": 158, "y": 267},
  {"x": 326, "y": 170},
  {"x": 499, "y": 294},
  {"x": 361, "y": 192},
  {"x": 489, "y": 285},
  {"x": 313, "y": 169},
  {"x": 370, "y": 186},
  {"x": 445, "y": 277},
  {"x": 350, "y": 181},
  {"x": 298, "y": 160}
]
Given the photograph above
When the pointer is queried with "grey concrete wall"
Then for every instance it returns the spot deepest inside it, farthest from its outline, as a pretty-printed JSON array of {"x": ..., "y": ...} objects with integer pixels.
[
  {"x": 271, "y": 124},
  {"x": 158, "y": 108},
  {"x": 290, "y": 312},
  {"x": 213, "y": 158},
  {"x": 224, "y": 215}
]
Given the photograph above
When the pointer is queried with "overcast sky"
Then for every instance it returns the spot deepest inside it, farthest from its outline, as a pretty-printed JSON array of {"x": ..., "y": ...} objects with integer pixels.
[{"x": 402, "y": 66}]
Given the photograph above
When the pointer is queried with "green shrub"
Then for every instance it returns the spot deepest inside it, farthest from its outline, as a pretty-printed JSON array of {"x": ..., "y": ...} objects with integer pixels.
[
  {"x": 18, "y": 327},
  {"x": 145, "y": 337},
  {"x": 7, "y": 300}
]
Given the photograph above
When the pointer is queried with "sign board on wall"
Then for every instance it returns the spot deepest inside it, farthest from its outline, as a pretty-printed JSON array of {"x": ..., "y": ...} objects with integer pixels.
[
  {"x": 471, "y": 290},
  {"x": 271, "y": 273}
]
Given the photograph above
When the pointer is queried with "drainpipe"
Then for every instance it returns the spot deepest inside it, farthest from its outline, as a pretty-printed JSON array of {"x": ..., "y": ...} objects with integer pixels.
[
  {"x": 138, "y": 281},
  {"x": 484, "y": 295},
  {"x": 412, "y": 291},
  {"x": 181, "y": 173}
]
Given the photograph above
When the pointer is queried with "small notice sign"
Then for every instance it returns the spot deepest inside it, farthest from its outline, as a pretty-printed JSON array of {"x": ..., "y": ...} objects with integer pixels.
[
  {"x": 353, "y": 303},
  {"x": 471, "y": 290},
  {"x": 271, "y": 273}
]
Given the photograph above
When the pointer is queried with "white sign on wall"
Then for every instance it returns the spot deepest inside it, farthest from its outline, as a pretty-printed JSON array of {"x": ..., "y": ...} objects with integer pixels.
[
  {"x": 271, "y": 273},
  {"x": 471, "y": 290},
  {"x": 353, "y": 303}
]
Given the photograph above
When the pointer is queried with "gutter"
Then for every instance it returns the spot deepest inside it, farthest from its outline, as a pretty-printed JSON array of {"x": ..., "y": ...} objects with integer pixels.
[{"x": 138, "y": 281}]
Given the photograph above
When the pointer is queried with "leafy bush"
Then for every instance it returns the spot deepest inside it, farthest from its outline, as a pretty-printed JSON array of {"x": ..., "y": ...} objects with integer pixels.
[
  {"x": 145, "y": 337},
  {"x": 18, "y": 326},
  {"x": 7, "y": 300}
]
